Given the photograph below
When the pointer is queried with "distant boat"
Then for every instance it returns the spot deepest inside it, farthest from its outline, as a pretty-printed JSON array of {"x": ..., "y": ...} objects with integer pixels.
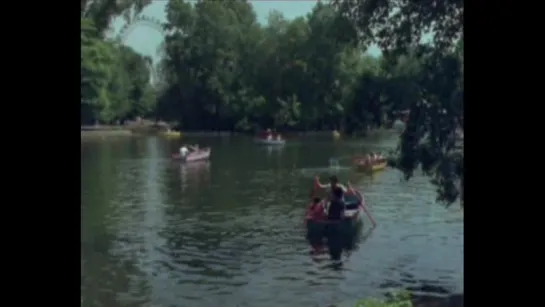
[
  {"x": 263, "y": 141},
  {"x": 202, "y": 154}
]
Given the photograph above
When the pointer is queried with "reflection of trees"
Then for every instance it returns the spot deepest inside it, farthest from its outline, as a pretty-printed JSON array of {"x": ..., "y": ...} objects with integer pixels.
[
  {"x": 103, "y": 274},
  {"x": 346, "y": 244}
]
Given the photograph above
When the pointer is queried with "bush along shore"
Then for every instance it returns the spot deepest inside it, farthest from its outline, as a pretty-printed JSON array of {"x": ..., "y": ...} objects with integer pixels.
[
  {"x": 149, "y": 127},
  {"x": 406, "y": 299}
]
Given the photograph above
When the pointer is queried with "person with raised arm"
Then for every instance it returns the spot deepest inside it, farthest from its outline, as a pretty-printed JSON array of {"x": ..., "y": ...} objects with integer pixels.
[{"x": 333, "y": 183}]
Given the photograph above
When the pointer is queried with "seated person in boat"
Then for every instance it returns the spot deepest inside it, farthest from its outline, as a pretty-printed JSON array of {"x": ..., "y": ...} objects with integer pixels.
[
  {"x": 278, "y": 137},
  {"x": 360, "y": 160},
  {"x": 183, "y": 151},
  {"x": 316, "y": 210},
  {"x": 333, "y": 183},
  {"x": 194, "y": 148},
  {"x": 335, "y": 211},
  {"x": 267, "y": 134}
]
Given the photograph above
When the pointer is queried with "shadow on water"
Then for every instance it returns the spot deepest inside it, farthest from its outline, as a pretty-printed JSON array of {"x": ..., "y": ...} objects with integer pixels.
[
  {"x": 335, "y": 244},
  {"x": 230, "y": 231}
]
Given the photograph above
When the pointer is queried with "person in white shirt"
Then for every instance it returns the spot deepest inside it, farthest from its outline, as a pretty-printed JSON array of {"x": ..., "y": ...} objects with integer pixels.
[{"x": 183, "y": 151}]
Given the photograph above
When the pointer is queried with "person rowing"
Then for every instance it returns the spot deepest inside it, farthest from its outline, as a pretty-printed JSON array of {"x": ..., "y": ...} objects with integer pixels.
[
  {"x": 184, "y": 151},
  {"x": 335, "y": 210},
  {"x": 269, "y": 134},
  {"x": 333, "y": 183},
  {"x": 376, "y": 158}
]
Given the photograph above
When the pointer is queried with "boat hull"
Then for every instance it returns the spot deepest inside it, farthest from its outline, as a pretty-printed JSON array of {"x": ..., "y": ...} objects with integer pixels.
[
  {"x": 372, "y": 168},
  {"x": 201, "y": 155},
  {"x": 345, "y": 227},
  {"x": 318, "y": 226},
  {"x": 171, "y": 134},
  {"x": 269, "y": 142}
]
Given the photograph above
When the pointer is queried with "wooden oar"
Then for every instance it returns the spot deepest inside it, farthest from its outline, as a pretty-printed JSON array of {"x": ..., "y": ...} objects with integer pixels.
[{"x": 363, "y": 204}]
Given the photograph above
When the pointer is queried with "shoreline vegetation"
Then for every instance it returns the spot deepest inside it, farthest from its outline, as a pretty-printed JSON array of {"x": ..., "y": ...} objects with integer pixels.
[
  {"x": 147, "y": 127},
  {"x": 407, "y": 299},
  {"x": 154, "y": 129}
]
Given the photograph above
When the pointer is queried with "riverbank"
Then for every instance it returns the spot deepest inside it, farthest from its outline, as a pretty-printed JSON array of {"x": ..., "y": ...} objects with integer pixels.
[
  {"x": 127, "y": 130},
  {"x": 104, "y": 131}
]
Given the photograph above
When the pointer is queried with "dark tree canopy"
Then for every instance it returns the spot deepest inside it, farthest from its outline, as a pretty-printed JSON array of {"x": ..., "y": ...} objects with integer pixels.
[{"x": 434, "y": 134}]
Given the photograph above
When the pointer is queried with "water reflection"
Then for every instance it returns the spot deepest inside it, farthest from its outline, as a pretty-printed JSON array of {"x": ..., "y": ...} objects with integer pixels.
[
  {"x": 273, "y": 150},
  {"x": 230, "y": 231},
  {"x": 194, "y": 173},
  {"x": 336, "y": 246}
]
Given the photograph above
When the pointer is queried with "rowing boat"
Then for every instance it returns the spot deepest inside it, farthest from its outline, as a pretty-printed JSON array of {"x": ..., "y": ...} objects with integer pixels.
[
  {"x": 202, "y": 154},
  {"x": 375, "y": 167},
  {"x": 317, "y": 224},
  {"x": 263, "y": 141}
]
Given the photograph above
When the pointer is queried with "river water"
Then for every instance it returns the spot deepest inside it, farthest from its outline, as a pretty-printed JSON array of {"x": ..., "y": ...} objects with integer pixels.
[{"x": 229, "y": 232}]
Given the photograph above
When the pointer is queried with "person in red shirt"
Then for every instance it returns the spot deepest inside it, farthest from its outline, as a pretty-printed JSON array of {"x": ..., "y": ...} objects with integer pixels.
[{"x": 316, "y": 210}]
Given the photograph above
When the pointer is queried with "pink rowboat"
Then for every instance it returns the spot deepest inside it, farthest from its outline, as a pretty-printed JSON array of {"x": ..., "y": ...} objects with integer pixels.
[{"x": 202, "y": 154}]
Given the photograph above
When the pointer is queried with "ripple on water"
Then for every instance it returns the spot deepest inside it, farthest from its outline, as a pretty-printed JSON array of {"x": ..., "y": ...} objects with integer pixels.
[{"x": 177, "y": 236}]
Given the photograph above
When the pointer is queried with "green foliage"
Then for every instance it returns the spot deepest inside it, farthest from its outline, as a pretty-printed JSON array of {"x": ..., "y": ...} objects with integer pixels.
[
  {"x": 401, "y": 299},
  {"x": 115, "y": 80},
  {"x": 222, "y": 70},
  {"x": 433, "y": 90},
  {"x": 101, "y": 12}
]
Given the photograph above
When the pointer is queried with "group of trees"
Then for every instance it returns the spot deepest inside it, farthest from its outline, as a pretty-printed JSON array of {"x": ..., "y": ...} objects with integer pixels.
[
  {"x": 433, "y": 138},
  {"x": 115, "y": 80},
  {"x": 223, "y": 70}
]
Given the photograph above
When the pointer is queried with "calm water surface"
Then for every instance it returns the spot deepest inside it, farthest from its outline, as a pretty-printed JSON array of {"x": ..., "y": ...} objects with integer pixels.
[{"x": 229, "y": 232}]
